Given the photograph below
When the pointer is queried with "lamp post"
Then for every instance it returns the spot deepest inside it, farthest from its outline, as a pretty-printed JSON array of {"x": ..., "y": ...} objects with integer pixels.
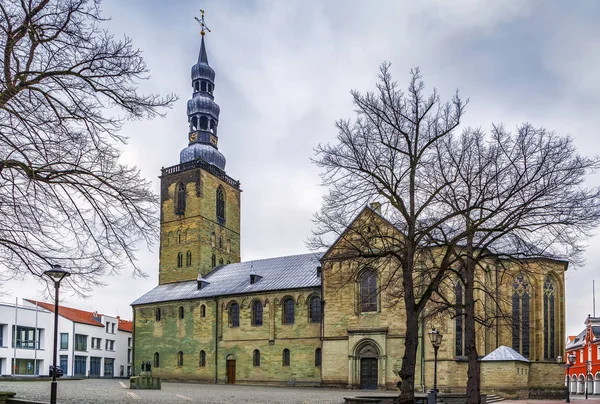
[
  {"x": 570, "y": 362},
  {"x": 57, "y": 274},
  {"x": 588, "y": 369},
  {"x": 436, "y": 340}
]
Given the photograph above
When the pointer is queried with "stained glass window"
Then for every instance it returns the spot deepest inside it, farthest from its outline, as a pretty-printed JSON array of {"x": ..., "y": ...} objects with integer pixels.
[
  {"x": 234, "y": 315},
  {"x": 314, "y": 315},
  {"x": 549, "y": 317},
  {"x": 459, "y": 319},
  {"x": 520, "y": 315},
  {"x": 257, "y": 313},
  {"x": 368, "y": 291},
  {"x": 288, "y": 311}
]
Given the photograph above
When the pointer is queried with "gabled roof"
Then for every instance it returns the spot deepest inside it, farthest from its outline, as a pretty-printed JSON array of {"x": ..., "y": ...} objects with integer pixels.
[
  {"x": 75, "y": 315},
  {"x": 125, "y": 325},
  {"x": 290, "y": 272},
  {"x": 504, "y": 353},
  {"x": 577, "y": 342}
]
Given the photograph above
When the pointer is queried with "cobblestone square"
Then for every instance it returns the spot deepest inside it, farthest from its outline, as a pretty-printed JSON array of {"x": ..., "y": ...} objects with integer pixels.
[{"x": 95, "y": 391}]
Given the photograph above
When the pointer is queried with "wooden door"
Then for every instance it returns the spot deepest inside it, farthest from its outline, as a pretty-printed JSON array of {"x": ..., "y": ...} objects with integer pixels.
[
  {"x": 368, "y": 373},
  {"x": 230, "y": 371}
]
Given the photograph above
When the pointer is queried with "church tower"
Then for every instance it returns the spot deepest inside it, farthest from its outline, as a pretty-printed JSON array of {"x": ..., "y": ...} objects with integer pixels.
[{"x": 200, "y": 203}]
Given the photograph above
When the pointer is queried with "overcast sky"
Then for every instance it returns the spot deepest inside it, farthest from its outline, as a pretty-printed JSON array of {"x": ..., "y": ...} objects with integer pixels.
[{"x": 284, "y": 70}]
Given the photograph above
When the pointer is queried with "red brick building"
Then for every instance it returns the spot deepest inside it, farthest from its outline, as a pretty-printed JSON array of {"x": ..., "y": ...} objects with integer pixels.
[{"x": 585, "y": 372}]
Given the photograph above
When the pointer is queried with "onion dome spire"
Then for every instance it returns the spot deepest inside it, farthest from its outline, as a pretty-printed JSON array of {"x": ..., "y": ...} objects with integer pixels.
[{"x": 203, "y": 111}]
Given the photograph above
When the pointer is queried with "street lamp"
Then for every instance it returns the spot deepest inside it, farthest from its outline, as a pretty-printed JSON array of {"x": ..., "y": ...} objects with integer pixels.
[
  {"x": 570, "y": 362},
  {"x": 57, "y": 274},
  {"x": 436, "y": 340},
  {"x": 588, "y": 371}
]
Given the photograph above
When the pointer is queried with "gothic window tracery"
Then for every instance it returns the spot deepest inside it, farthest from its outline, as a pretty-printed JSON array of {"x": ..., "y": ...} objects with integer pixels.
[
  {"x": 549, "y": 317},
  {"x": 521, "y": 293}
]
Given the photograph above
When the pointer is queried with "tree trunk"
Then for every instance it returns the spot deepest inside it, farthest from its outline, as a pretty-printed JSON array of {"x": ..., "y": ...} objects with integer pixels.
[
  {"x": 473, "y": 374},
  {"x": 409, "y": 360}
]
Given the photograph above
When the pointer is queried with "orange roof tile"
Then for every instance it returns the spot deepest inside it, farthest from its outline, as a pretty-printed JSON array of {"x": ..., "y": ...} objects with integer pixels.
[
  {"x": 125, "y": 325},
  {"x": 75, "y": 315}
]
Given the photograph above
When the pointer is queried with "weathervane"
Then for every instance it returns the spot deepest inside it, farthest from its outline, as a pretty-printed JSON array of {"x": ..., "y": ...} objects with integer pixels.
[{"x": 203, "y": 26}]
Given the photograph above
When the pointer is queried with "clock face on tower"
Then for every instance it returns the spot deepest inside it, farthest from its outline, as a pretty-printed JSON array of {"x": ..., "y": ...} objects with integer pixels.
[
  {"x": 193, "y": 136},
  {"x": 213, "y": 140}
]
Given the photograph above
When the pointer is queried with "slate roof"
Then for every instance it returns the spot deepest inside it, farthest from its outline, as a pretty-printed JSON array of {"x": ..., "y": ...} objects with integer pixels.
[
  {"x": 289, "y": 272},
  {"x": 75, "y": 315},
  {"x": 504, "y": 353},
  {"x": 577, "y": 342}
]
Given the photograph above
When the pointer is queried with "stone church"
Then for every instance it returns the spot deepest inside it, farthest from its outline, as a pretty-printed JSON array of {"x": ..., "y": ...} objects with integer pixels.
[{"x": 303, "y": 320}]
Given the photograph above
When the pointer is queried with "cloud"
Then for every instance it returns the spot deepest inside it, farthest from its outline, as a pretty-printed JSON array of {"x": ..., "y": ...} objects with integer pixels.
[{"x": 283, "y": 75}]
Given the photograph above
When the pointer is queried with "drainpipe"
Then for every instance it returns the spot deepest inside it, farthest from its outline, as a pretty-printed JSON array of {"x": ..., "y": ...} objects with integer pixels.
[{"x": 216, "y": 340}]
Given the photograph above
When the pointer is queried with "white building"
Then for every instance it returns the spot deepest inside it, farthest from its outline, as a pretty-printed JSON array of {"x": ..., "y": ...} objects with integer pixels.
[{"x": 89, "y": 343}]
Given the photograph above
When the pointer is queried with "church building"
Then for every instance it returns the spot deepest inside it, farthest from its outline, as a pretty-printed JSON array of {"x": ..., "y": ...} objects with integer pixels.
[{"x": 304, "y": 320}]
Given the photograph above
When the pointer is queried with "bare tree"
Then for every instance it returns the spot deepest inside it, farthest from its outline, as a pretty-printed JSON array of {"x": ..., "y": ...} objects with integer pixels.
[
  {"x": 517, "y": 197},
  {"x": 66, "y": 87},
  {"x": 384, "y": 156}
]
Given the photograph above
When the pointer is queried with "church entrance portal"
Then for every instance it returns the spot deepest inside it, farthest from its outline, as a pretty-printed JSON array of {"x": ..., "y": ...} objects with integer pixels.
[
  {"x": 230, "y": 371},
  {"x": 368, "y": 373}
]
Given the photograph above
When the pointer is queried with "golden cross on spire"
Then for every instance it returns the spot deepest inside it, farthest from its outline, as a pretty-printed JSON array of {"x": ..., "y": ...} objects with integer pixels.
[{"x": 203, "y": 26}]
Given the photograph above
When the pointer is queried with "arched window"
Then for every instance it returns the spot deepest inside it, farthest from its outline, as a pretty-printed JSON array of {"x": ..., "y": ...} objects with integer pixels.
[
  {"x": 314, "y": 310},
  {"x": 213, "y": 239},
  {"x": 188, "y": 258},
  {"x": 458, "y": 321},
  {"x": 203, "y": 311},
  {"x": 181, "y": 312},
  {"x": 179, "y": 260},
  {"x": 234, "y": 315},
  {"x": 549, "y": 318},
  {"x": 286, "y": 357},
  {"x": 368, "y": 291},
  {"x": 257, "y": 313},
  {"x": 178, "y": 236},
  {"x": 228, "y": 245},
  {"x": 221, "y": 261},
  {"x": 194, "y": 123},
  {"x": 220, "y": 242},
  {"x": 202, "y": 359},
  {"x": 520, "y": 315},
  {"x": 256, "y": 358},
  {"x": 179, "y": 358},
  {"x": 157, "y": 314},
  {"x": 220, "y": 206},
  {"x": 203, "y": 86},
  {"x": 156, "y": 360},
  {"x": 197, "y": 86},
  {"x": 214, "y": 260},
  {"x": 203, "y": 122},
  {"x": 288, "y": 311},
  {"x": 210, "y": 88},
  {"x": 318, "y": 357},
  {"x": 213, "y": 125},
  {"x": 180, "y": 202}
]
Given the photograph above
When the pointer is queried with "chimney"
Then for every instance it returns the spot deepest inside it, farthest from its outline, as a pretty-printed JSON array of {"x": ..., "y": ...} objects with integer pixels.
[{"x": 376, "y": 206}]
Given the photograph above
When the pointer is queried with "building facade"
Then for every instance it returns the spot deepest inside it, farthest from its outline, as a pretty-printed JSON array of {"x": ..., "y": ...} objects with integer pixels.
[
  {"x": 89, "y": 344},
  {"x": 584, "y": 375},
  {"x": 305, "y": 319}
]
